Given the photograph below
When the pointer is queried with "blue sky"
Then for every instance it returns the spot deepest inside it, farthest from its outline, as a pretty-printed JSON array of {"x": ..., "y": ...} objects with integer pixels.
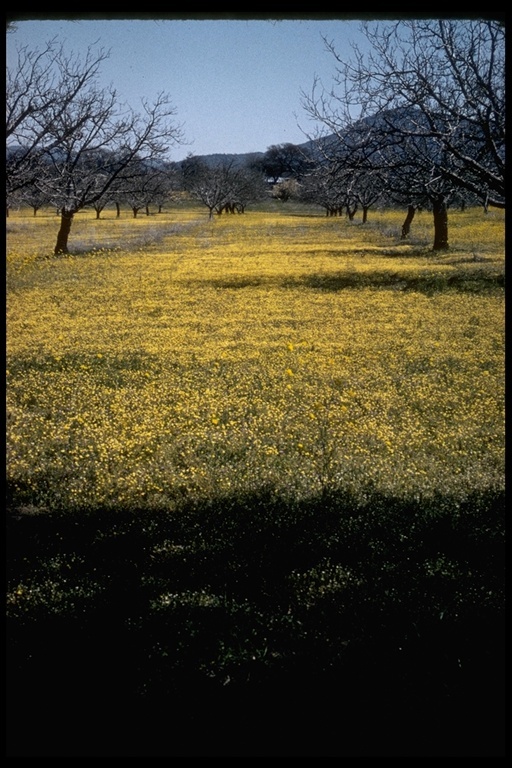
[{"x": 235, "y": 84}]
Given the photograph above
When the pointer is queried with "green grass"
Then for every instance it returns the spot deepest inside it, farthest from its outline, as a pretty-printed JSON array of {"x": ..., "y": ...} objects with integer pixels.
[{"x": 255, "y": 487}]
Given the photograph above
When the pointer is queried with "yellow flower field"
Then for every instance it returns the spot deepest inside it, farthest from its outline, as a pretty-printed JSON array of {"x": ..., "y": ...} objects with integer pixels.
[{"x": 175, "y": 357}]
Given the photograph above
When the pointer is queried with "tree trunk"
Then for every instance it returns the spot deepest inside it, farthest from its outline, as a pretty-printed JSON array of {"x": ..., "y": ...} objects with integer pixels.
[
  {"x": 135, "y": 212},
  {"x": 147, "y": 210},
  {"x": 440, "y": 211},
  {"x": 406, "y": 226},
  {"x": 98, "y": 212},
  {"x": 351, "y": 212},
  {"x": 118, "y": 210},
  {"x": 7, "y": 211},
  {"x": 365, "y": 214},
  {"x": 66, "y": 220}
]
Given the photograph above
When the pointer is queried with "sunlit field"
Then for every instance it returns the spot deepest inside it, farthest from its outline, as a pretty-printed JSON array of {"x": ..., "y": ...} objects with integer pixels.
[
  {"x": 266, "y": 350},
  {"x": 264, "y": 446}
]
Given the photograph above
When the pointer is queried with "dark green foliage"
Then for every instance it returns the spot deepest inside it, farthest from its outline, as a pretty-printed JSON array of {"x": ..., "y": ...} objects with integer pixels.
[{"x": 258, "y": 627}]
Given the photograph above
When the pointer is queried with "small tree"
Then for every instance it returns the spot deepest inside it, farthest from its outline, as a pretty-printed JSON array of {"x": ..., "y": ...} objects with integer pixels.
[
  {"x": 221, "y": 187},
  {"x": 209, "y": 185},
  {"x": 168, "y": 187},
  {"x": 137, "y": 188},
  {"x": 34, "y": 197},
  {"x": 330, "y": 185},
  {"x": 247, "y": 186},
  {"x": 367, "y": 189}
]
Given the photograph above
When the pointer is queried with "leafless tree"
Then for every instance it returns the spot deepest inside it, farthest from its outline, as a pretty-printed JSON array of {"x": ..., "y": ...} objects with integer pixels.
[
  {"x": 40, "y": 88},
  {"x": 87, "y": 140},
  {"x": 332, "y": 185},
  {"x": 222, "y": 187},
  {"x": 428, "y": 97},
  {"x": 168, "y": 188},
  {"x": 141, "y": 184},
  {"x": 95, "y": 123},
  {"x": 208, "y": 185},
  {"x": 34, "y": 197},
  {"x": 367, "y": 190}
]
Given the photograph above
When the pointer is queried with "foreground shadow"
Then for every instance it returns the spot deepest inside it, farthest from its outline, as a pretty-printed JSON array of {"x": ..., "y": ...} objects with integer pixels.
[{"x": 258, "y": 626}]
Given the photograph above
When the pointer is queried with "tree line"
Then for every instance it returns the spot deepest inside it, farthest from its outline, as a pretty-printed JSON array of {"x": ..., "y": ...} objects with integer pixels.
[{"x": 417, "y": 121}]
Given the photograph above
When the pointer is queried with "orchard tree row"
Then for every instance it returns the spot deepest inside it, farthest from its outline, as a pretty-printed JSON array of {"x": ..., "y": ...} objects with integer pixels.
[
  {"x": 418, "y": 121},
  {"x": 140, "y": 187}
]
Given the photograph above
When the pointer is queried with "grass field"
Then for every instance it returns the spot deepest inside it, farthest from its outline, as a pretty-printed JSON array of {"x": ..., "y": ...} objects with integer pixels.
[{"x": 256, "y": 464}]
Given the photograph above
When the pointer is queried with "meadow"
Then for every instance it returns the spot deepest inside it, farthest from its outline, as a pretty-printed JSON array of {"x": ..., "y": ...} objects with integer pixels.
[{"x": 255, "y": 465}]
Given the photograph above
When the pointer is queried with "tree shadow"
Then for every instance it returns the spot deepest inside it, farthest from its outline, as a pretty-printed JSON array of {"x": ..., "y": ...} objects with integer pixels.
[
  {"x": 429, "y": 284},
  {"x": 256, "y": 625},
  {"x": 472, "y": 281}
]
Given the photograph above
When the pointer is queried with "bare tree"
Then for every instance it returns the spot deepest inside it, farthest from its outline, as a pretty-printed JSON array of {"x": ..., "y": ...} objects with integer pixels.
[
  {"x": 247, "y": 186},
  {"x": 34, "y": 197},
  {"x": 367, "y": 190},
  {"x": 40, "y": 88},
  {"x": 91, "y": 125},
  {"x": 322, "y": 187},
  {"x": 221, "y": 187},
  {"x": 430, "y": 97},
  {"x": 208, "y": 185},
  {"x": 167, "y": 190},
  {"x": 333, "y": 186},
  {"x": 140, "y": 184},
  {"x": 87, "y": 140}
]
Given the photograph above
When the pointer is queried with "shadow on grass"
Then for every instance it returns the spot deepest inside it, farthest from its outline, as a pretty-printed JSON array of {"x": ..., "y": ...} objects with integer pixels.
[
  {"x": 258, "y": 626},
  {"x": 425, "y": 283},
  {"x": 471, "y": 281}
]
